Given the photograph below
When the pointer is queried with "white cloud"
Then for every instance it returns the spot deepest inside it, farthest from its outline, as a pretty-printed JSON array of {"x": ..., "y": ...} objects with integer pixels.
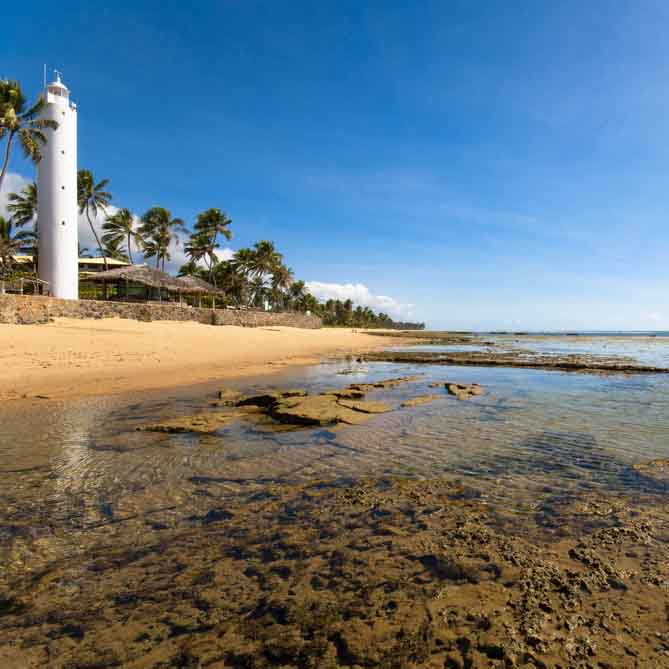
[{"x": 359, "y": 294}]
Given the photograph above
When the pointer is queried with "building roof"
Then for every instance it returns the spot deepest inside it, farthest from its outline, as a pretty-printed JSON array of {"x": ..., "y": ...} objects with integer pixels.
[
  {"x": 153, "y": 278},
  {"x": 101, "y": 261},
  {"x": 26, "y": 258},
  {"x": 198, "y": 285}
]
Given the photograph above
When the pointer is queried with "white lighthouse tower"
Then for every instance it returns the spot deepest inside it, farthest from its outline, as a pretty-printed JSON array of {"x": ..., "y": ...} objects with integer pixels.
[{"x": 58, "y": 261}]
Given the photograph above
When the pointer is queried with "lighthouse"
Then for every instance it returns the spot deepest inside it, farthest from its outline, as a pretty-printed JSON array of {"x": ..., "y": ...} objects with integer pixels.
[{"x": 58, "y": 244}]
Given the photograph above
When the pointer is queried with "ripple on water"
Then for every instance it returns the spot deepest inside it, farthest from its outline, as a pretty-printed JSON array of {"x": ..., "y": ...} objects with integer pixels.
[{"x": 82, "y": 466}]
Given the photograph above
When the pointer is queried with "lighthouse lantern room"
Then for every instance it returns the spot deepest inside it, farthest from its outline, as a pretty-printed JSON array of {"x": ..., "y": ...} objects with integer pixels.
[{"x": 57, "y": 195}]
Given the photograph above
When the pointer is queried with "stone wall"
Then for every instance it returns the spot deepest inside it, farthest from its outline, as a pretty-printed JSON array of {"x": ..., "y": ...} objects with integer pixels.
[{"x": 28, "y": 309}]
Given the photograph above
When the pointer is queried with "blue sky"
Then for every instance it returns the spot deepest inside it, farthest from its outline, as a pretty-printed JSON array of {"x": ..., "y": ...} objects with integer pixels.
[{"x": 483, "y": 164}]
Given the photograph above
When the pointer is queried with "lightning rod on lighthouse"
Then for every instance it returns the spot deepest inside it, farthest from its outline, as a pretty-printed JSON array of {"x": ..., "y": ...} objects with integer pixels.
[{"x": 58, "y": 244}]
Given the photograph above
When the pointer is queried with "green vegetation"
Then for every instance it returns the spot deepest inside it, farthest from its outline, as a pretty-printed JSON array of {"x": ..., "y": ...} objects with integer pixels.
[
  {"x": 255, "y": 277},
  {"x": 17, "y": 121},
  {"x": 92, "y": 197},
  {"x": 11, "y": 244},
  {"x": 119, "y": 228}
]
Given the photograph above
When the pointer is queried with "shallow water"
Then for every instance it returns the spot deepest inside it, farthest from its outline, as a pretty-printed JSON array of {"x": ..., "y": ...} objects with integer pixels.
[
  {"x": 81, "y": 464},
  {"x": 644, "y": 350},
  {"x": 96, "y": 515}
]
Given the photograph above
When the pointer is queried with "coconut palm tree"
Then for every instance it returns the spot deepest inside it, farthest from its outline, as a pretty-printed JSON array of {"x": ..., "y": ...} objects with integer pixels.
[
  {"x": 23, "y": 206},
  {"x": 157, "y": 230},
  {"x": 210, "y": 224},
  {"x": 17, "y": 121},
  {"x": 113, "y": 248},
  {"x": 233, "y": 280},
  {"x": 92, "y": 197},
  {"x": 11, "y": 244},
  {"x": 191, "y": 268},
  {"x": 120, "y": 228},
  {"x": 199, "y": 248},
  {"x": 265, "y": 258},
  {"x": 297, "y": 292},
  {"x": 282, "y": 278}
]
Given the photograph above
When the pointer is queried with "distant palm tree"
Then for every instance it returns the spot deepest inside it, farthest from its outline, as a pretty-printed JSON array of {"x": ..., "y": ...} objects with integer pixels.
[
  {"x": 120, "y": 228},
  {"x": 191, "y": 268},
  {"x": 92, "y": 196},
  {"x": 198, "y": 248},
  {"x": 11, "y": 244},
  {"x": 265, "y": 258},
  {"x": 114, "y": 249},
  {"x": 209, "y": 225},
  {"x": 297, "y": 293},
  {"x": 17, "y": 121},
  {"x": 282, "y": 278},
  {"x": 157, "y": 231},
  {"x": 233, "y": 280},
  {"x": 23, "y": 206}
]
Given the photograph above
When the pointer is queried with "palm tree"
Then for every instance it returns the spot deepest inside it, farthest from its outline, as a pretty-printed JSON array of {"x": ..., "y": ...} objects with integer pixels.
[
  {"x": 191, "y": 268},
  {"x": 113, "y": 248},
  {"x": 297, "y": 293},
  {"x": 198, "y": 248},
  {"x": 265, "y": 258},
  {"x": 209, "y": 225},
  {"x": 19, "y": 122},
  {"x": 119, "y": 228},
  {"x": 23, "y": 206},
  {"x": 92, "y": 196},
  {"x": 10, "y": 245},
  {"x": 282, "y": 278},
  {"x": 233, "y": 279},
  {"x": 157, "y": 231}
]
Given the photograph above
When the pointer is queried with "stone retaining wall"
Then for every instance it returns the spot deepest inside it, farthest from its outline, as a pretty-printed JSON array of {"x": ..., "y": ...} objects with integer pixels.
[{"x": 29, "y": 309}]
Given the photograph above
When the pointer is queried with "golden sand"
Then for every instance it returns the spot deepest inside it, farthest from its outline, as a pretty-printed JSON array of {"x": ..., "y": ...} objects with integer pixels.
[{"x": 73, "y": 358}]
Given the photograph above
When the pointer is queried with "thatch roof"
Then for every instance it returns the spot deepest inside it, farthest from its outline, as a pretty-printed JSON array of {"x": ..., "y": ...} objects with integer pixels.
[
  {"x": 194, "y": 284},
  {"x": 154, "y": 278}
]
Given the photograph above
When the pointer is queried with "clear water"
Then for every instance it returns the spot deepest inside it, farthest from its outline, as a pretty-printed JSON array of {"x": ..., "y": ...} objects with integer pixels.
[
  {"x": 643, "y": 349},
  {"x": 76, "y": 471}
]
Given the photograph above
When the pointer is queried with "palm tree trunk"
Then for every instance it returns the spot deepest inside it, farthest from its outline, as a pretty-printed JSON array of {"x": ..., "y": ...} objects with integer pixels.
[
  {"x": 97, "y": 239},
  {"x": 129, "y": 251},
  {"x": 5, "y": 162}
]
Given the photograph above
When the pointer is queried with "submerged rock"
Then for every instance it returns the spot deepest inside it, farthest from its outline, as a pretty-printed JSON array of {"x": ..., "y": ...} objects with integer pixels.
[
  {"x": 386, "y": 383},
  {"x": 228, "y": 397},
  {"x": 346, "y": 394},
  {"x": 365, "y": 406},
  {"x": 203, "y": 423},
  {"x": 323, "y": 410},
  {"x": 421, "y": 399},
  {"x": 269, "y": 397},
  {"x": 464, "y": 391},
  {"x": 657, "y": 470}
]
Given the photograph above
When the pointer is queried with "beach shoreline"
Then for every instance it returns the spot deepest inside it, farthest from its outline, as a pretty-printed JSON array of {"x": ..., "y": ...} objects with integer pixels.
[{"x": 71, "y": 358}]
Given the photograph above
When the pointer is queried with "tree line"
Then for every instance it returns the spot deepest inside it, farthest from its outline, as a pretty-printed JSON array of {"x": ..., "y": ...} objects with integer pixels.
[{"x": 253, "y": 277}]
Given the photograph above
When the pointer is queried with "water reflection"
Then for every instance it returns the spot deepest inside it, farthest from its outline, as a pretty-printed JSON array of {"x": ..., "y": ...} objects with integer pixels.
[{"x": 74, "y": 468}]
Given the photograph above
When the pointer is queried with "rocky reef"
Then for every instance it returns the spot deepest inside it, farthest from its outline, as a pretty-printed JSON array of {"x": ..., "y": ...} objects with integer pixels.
[
  {"x": 296, "y": 407},
  {"x": 384, "y": 573}
]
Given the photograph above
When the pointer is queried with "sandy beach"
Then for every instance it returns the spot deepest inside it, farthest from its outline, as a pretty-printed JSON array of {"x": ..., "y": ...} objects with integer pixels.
[{"x": 73, "y": 358}]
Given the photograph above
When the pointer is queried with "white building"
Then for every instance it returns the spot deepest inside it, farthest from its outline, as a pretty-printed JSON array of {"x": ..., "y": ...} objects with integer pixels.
[{"x": 57, "y": 196}]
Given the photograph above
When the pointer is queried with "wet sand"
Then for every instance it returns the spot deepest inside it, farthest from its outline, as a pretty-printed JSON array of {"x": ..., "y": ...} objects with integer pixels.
[{"x": 76, "y": 358}]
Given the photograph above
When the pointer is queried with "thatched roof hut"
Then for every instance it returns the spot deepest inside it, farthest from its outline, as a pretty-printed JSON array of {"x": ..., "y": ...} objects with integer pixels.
[
  {"x": 193, "y": 284},
  {"x": 155, "y": 282},
  {"x": 142, "y": 274}
]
